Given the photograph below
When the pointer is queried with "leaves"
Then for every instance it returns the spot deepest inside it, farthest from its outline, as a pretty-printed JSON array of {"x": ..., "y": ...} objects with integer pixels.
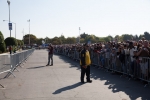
[
  {"x": 84, "y": 37},
  {"x": 2, "y": 43}
]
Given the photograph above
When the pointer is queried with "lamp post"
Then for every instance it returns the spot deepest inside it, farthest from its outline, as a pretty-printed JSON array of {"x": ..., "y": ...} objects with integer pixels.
[
  {"x": 29, "y": 30},
  {"x": 79, "y": 34},
  {"x": 15, "y": 26},
  {"x": 23, "y": 35},
  {"x": 9, "y": 14}
]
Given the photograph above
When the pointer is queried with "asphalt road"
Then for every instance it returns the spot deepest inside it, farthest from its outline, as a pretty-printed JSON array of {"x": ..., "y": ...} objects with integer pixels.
[{"x": 35, "y": 81}]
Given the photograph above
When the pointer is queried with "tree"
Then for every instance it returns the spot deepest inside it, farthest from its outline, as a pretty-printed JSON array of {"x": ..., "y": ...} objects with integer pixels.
[
  {"x": 140, "y": 37},
  {"x": 62, "y": 38},
  {"x": 135, "y": 37},
  {"x": 2, "y": 43},
  {"x": 126, "y": 37},
  {"x": 39, "y": 41},
  {"x": 107, "y": 39},
  {"x": 83, "y": 35},
  {"x": 47, "y": 40},
  {"x": 71, "y": 40},
  {"x": 110, "y": 38},
  {"x": 92, "y": 38},
  {"x": 56, "y": 41},
  {"x": 11, "y": 41},
  {"x": 82, "y": 40},
  {"x": 117, "y": 38},
  {"x": 19, "y": 42},
  {"x": 33, "y": 39},
  {"x": 147, "y": 35}
]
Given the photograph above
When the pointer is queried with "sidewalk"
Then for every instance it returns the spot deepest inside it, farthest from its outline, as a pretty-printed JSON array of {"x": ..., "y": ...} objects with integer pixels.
[
  {"x": 6, "y": 53},
  {"x": 35, "y": 81}
]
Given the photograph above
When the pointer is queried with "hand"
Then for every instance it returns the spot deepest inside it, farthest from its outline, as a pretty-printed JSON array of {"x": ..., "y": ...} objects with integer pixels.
[{"x": 84, "y": 66}]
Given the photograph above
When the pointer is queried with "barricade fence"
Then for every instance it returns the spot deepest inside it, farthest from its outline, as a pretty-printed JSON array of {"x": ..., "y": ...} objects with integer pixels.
[
  {"x": 10, "y": 62},
  {"x": 127, "y": 66}
]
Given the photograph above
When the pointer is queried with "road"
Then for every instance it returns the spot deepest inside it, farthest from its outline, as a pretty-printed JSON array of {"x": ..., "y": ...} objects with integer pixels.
[{"x": 35, "y": 81}]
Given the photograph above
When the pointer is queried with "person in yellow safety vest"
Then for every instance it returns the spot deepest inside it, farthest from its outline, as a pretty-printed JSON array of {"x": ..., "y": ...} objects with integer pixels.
[{"x": 85, "y": 62}]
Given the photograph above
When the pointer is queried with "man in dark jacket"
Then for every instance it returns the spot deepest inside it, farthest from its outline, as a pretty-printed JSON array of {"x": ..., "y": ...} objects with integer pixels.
[
  {"x": 85, "y": 62},
  {"x": 50, "y": 55}
]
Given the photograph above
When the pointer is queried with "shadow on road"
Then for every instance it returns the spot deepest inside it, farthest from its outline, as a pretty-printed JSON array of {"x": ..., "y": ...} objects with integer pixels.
[
  {"x": 134, "y": 89},
  {"x": 36, "y": 67},
  {"x": 68, "y": 88}
]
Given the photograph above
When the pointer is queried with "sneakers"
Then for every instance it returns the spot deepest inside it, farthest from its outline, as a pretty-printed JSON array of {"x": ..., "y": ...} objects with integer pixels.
[
  {"x": 82, "y": 82},
  {"x": 47, "y": 65}
]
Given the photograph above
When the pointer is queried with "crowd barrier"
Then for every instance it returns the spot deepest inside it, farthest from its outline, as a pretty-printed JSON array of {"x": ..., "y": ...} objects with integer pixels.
[
  {"x": 10, "y": 62},
  {"x": 129, "y": 67}
]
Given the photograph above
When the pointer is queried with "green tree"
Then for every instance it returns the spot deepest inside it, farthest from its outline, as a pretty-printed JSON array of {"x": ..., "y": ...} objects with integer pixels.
[
  {"x": 22, "y": 43},
  {"x": 2, "y": 43},
  {"x": 56, "y": 41},
  {"x": 110, "y": 38},
  {"x": 71, "y": 40},
  {"x": 126, "y": 37},
  {"x": 147, "y": 35},
  {"x": 82, "y": 40},
  {"x": 39, "y": 41},
  {"x": 117, "y": 38},
  {"x": 102, "y": 39},
  {"x": 62, "y": 38},
  {"x": 46, "y": 40},
  {"x": 33, "y": 39},
  {"x": 11, "y": 41},
  {"x": 140, "y": 37},
  {"x": 107, "y": 39},
  {"x": 19, "y": 42},
  {"x": 83, "y": 35}
]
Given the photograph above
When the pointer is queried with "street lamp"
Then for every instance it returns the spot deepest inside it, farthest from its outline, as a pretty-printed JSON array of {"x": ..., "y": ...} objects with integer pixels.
[
  {"x": 9, "y": 14},
  {"x": 15, "y": 26},
  {"x": 23, "y": 35},
  {"x": 79, "y": 34},
  {"x": 29, "y": 30}
]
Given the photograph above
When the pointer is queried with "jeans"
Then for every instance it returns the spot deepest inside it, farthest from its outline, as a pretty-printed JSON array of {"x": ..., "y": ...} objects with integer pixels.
[{"x": 50, "y": 57}]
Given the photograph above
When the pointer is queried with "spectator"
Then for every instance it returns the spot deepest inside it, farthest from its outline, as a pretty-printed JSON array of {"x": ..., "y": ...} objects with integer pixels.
[
  {"x": 50, "y": 55},
  {"x": 10, "y": 49}
]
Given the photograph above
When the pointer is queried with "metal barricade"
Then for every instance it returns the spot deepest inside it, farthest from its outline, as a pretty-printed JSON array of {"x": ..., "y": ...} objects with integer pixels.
[
  {"x": 5, "y": 63},
  {"x": 107, "y": 61},
  {"x": 9, "y": 63},
  {"x": 95, "y": 58},
  {"x": 143, "y": 69},
  {"x": 138, "y": 68},
  {"x": 112, "y": 62}
]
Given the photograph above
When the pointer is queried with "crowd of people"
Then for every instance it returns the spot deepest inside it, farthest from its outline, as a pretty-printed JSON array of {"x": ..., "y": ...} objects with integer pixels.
[{"x": 129, "y": 57}]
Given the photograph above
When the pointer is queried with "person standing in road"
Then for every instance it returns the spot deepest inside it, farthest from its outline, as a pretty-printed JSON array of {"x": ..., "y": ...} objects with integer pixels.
[
  {"x": 85, "y": 62},
  {"x": 50, "y": 55}
]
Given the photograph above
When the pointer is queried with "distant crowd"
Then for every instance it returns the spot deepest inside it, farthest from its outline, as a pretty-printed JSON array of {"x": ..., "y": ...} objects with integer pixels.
[{"x": 119, "y": 53}]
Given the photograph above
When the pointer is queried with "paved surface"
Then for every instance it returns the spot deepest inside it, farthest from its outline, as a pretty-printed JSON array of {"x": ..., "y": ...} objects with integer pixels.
[{"x": 35, "y": 81}]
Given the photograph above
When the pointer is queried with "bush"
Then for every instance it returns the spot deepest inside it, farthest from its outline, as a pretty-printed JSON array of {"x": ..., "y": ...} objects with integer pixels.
[
  {"x": 21, "y": 43},
  {"x": 10, "y": 41},
  {"x": 2, "y": 43}
]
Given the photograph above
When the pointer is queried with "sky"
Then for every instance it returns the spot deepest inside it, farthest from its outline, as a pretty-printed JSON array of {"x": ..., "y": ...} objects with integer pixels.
[{"x": 50, "y": 18}]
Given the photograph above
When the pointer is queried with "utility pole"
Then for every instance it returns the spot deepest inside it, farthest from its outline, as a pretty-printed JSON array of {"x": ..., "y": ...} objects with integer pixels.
[{"x": 79, "y": 34}]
